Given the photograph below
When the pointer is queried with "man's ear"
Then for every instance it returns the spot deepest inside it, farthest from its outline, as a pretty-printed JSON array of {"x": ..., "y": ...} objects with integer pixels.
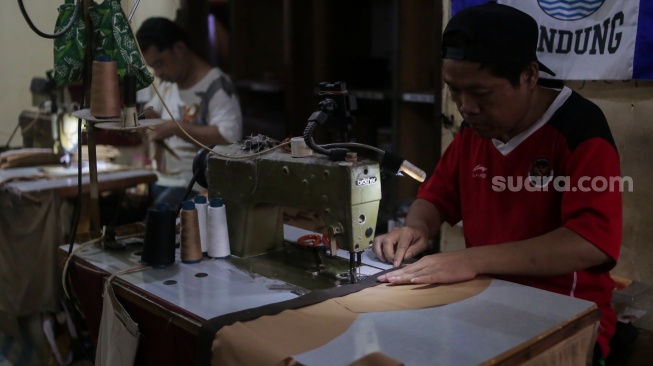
[
  {"x": 179, "y": 48},
  {"x": 531, "y": 74}
]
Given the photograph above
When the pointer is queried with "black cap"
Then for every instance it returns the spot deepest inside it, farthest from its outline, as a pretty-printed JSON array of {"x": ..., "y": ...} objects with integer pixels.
[{"x": 497, "y": 33}]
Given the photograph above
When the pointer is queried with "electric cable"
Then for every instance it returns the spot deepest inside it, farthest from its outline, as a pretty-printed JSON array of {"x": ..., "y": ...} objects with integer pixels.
[
  {"x": 73, "y": 18},
  {"x": 77, "y": 208},
  {"x": 24, "y": 130}
]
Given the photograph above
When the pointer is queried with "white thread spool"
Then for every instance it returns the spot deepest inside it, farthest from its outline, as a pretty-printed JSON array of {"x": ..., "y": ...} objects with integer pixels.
[
  {"x": 216, "y": 230},
  {"x": 202, "y": 208}
]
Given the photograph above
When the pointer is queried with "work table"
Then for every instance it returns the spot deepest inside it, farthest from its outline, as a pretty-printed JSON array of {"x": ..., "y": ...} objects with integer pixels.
[
  {"x": 32, "y": 179},
  {"x": 506, "y": 323}
]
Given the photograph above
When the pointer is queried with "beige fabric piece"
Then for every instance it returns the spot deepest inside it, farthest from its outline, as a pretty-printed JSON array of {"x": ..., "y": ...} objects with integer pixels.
[
  {"x": 272, "y": 340},
  {"x": 376, "y": 359},
  {"x": 118, "y": 337},
  {"x": 28, "y": 157},
  {"x": 387, "y": 297}
]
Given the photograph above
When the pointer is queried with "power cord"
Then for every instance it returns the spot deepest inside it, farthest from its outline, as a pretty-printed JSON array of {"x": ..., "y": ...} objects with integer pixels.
[{"x": 78, "y": 6}]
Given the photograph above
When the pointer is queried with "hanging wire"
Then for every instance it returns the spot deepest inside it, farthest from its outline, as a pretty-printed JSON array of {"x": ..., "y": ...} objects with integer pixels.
[
  {"x": 131, "y": 13},
  {"x": 55, "y": 35}
]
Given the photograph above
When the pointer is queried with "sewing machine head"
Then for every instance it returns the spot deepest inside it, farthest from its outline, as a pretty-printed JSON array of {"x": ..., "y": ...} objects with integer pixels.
[
  {"x": 330, "y": 179},
  {"x": 255, "y": 190}
]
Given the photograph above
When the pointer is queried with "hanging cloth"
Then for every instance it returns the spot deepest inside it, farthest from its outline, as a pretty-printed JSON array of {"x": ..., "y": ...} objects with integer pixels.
[
  {"x": 119, "y": 335},
  {"x": 69, "y": 48},
  {"x": 113, "y": 38}
]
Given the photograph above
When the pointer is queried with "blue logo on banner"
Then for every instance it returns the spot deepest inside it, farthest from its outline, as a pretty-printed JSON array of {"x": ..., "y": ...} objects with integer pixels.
[{"x": 570, "y": 9}]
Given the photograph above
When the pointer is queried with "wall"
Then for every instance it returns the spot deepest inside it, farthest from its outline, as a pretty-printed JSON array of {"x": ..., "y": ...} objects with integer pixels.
[
  {"x": 628, "y": 107},
  {"x": 26, "y": 55}
]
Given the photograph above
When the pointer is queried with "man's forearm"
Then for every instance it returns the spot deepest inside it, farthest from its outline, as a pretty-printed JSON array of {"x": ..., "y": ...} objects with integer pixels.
[
  {"x": 424, "y": 216},
  {"x": 557, "y": 252}
]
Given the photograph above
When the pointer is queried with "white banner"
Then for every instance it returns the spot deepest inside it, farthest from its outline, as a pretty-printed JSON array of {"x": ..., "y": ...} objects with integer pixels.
[{"x": 585, "y": 39}]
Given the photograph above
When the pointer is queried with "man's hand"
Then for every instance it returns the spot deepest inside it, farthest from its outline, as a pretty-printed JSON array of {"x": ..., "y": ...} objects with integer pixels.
[
  {"x": 436, "y": 268},
  {"x": 400, "y": 244},
  {"x": 161, "y": 131}
]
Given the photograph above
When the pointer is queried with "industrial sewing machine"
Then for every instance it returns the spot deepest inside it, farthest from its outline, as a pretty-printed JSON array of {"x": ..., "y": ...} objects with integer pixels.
[
  {"x": 257, "y": 182},
  {"x": 345, "y": 193}
]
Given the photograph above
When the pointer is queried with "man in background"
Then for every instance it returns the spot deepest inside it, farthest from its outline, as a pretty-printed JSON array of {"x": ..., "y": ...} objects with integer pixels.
[{"x": 201, "y": 98}]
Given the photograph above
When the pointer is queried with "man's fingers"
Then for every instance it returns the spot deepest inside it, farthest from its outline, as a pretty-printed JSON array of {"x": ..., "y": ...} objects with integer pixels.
[
  {"x": 399, "y": 244},
  {"x": 384, "y": 247},
  {"x": 404, "y": 242},
  {"x": 391, "y": 275},
  {"x": 377, "y": 247},
  {"x": 412, "y": 273},
  {"x": 378, "y": 251}
]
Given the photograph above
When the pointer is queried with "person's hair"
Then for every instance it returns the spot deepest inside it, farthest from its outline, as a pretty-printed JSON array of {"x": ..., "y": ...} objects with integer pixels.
[
  {"x": 506, "y": 70},
  {"x": 160, "y": 32}
]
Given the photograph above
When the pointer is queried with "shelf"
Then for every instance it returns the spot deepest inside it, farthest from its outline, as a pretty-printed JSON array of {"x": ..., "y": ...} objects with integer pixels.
[
  {"x": 260, "y": 86},
  {"x": 418, "y": 97},
  {"x": 371, "y": 94},
  {"x": 386, "y": 51}
]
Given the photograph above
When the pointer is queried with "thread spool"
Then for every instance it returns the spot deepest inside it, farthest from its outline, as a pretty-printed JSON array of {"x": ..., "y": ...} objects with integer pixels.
[
  {"x": 159, "y": 240},
  {"x": 105, "y": 92},
  {"x": 191, "y": 249},
  {"x": 201, "y": 205},
  {"x": 130, "y": 117},
  {"x": 216, "y": 230}
]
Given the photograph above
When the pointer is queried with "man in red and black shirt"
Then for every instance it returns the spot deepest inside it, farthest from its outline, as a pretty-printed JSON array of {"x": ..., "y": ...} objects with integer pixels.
[{"x": 532, "y": 174}]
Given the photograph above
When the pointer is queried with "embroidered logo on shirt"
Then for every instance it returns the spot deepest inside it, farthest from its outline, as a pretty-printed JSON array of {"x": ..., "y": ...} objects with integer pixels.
[
  {"x": 189, "y": 113},
  {"x": 540, "y": 173},
  {"x": 479, "y": 171}
]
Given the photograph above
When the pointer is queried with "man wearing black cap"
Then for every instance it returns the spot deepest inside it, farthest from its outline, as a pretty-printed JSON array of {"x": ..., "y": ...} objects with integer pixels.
[{"x": 550, "y": 230}]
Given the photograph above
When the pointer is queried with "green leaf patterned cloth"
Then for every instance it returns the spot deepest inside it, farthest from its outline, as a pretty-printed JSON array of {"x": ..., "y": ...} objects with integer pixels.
[
  {"x": 69, "y": 48},
  {"x": 113, "y": 38}
]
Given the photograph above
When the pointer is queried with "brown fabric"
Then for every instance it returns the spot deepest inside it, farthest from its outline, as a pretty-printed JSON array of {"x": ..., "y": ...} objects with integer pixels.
[
  {"x": 376, "y": 359},
  {"x": 28, "y": 157},
  {"x": 210, "y": 327},
  {"x": 272, "y": 340},
  {"x": 29, "y": 235},
  {"x": 387, "y": 297}
]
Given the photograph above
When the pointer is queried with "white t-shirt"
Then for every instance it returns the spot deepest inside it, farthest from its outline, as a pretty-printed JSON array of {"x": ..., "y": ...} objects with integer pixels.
[{"x": 212, "y": 101}]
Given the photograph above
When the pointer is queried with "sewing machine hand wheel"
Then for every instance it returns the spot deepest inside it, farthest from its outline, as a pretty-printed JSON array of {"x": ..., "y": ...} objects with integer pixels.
[{"x": 199, "y": 166}]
